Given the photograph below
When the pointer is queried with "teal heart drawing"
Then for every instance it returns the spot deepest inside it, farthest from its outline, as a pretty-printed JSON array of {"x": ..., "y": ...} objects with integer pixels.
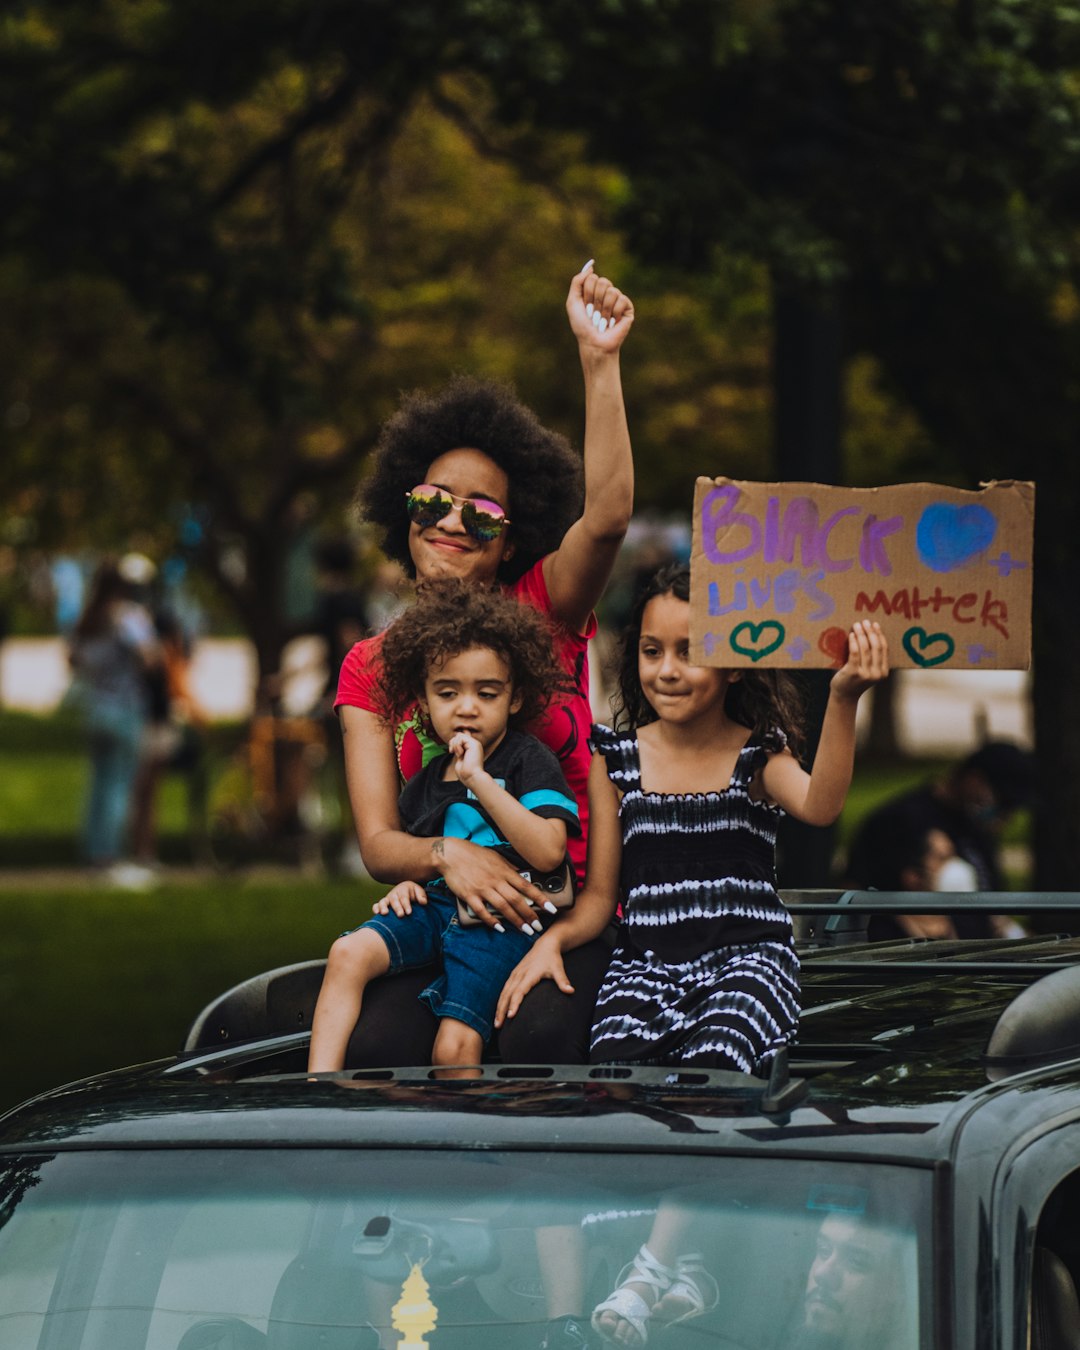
[
  {"x": 756, "y": 648},
  {"x": 928, "y": 649},
  {"x": 949, "y": 536}
]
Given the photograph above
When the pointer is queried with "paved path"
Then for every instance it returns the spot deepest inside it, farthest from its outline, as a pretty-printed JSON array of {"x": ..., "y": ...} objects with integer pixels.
[{"x": 34, "y": 674}]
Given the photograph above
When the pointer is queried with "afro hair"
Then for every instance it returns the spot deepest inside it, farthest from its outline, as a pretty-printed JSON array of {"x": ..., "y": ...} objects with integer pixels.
[
  {"x": 451, "y": 617},
  {"x": 544, "y": 472}
]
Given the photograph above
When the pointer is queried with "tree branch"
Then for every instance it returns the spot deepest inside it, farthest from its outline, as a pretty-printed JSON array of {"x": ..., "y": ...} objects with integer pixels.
[{"x": 524, "y": 165}]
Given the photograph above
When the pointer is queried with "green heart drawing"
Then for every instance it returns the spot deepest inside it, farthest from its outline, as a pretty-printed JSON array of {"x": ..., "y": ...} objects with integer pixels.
[
  {"x": 924, "y": 639},
  {"x": 755, "y": 630}
]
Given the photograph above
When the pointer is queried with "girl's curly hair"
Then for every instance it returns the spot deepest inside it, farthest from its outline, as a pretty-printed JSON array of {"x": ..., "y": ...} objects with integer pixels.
[
  {"x": 545, "y": 474},
  {"x": 451, "y": 617},
  {"x": 766, "y": 701}
]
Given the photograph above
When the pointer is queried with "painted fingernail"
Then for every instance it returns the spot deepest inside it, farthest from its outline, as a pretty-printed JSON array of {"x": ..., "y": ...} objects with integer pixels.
[
  {"x": 589, "y": 311},
  {"x": 588, "y": 265},
  {"x": 551, "y": 909},
  {"x": 597, "y": 320},
  {"x": 538, "y": 927},
  {"x": 499, "y": 928}
]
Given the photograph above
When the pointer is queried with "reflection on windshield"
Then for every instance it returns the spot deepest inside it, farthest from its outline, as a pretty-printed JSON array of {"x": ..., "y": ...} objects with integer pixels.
[{"x": 320, "y": 1249}]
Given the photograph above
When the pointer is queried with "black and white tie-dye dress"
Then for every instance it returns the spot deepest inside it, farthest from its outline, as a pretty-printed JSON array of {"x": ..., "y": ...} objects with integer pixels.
[{"x": 704, "y": 972}]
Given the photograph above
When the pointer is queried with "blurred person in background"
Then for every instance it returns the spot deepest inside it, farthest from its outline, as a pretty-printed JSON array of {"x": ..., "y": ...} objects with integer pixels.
[
  {"x": 113, "y": 645},
  {"x": 970, "y": 806},
  {"x": 905, "y": 854},
  {"x": 340, "y": 615},
  {"x": 341, "y": 619},
  {"x": 173, "y": 742},
  {"x": 68, "y": 590},
  {"x": 387, "y": 595}
]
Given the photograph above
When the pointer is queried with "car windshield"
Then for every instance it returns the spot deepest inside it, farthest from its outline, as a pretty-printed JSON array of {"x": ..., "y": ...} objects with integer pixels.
[{"x": 311, "y": 1249}]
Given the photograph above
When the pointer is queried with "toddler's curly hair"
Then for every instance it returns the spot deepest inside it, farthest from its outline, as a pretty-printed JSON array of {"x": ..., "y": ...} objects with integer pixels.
[
  {"x": 766, "y": 701},
  {"x": 450, "y": 617},
  {"x": 545, "y": 474}
]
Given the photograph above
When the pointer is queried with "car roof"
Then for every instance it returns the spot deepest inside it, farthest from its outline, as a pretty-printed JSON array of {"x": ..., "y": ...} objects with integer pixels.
[{"x": 890, "y": 1065}]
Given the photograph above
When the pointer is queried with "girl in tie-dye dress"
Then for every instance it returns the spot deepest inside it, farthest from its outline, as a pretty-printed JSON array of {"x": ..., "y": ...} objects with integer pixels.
[{"x": 690, "y": 793}]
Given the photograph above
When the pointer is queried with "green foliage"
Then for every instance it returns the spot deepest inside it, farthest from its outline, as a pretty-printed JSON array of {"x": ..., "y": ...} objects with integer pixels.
[
  {"x": 812, "y": 133},
  {"x": 220, "y": 272},
  {"x": 43, "y": 780},
  {"x": 920, "y": 157},
  {"x": 265, "y": 252},
  {"x": 236, "y": 261}
]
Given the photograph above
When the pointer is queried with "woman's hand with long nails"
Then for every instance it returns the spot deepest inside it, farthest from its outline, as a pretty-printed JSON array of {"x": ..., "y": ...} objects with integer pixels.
[
  {"x": 600, "y": 314},
  {"x": 480, "y": 877}
]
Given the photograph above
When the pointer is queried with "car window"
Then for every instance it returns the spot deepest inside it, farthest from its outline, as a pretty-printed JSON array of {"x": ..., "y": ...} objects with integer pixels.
[{"x": 290, "y": 1249}]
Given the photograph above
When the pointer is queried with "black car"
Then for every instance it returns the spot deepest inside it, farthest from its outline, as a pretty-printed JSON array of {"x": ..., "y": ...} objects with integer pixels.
[{"x": 909, "y": 1177}]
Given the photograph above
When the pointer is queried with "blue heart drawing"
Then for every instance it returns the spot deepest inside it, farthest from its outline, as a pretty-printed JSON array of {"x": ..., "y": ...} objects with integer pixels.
[{"x": 948, "y": 536}]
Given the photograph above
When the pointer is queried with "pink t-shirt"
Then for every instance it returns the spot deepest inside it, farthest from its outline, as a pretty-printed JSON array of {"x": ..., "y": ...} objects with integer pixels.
[{"x": 564, "y": 728}]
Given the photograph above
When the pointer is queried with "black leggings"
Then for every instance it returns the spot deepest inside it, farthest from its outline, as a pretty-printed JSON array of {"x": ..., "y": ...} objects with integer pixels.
[{"x": 550, "y": 1027}]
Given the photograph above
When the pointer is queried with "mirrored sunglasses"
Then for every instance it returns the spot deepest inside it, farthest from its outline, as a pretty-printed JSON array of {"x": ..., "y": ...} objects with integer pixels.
[{"x": 483, "y": 519}]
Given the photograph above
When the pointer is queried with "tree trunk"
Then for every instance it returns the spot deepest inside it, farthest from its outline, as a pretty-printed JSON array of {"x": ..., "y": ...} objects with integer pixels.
[
  {"x": 808, "y": 358},
  {"x": 1057, "y": 708},
  {"x": 808, "y": 366},
  {"x": 882, "y": 735},
  {"x": 264, "y": 619}
]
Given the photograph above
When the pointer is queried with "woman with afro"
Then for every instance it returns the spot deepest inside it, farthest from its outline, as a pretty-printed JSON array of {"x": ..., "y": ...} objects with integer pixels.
[{"x": 468, "y": 483}]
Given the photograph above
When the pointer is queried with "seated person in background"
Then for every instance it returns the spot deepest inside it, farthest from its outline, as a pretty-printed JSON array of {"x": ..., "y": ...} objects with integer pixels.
[
  {"x": 901, "y": 853},
  {"x": 894, "y": 848}
]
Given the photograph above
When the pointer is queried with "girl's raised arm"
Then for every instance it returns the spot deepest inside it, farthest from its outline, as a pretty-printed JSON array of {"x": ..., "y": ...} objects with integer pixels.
[
  {"x": 577, "y": 572},
  {"x": 817, "y": 798}
]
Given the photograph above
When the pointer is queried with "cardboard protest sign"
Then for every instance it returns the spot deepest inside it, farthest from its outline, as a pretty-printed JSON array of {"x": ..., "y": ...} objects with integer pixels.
[{"x": 780, "y": 571}]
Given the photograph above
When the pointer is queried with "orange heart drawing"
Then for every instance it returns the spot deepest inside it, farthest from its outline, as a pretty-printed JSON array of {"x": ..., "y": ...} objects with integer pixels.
[{"x": 834, "y": 643}]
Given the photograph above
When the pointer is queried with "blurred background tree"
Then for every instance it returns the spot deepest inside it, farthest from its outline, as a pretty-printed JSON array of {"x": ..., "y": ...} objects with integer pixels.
[
  {"x": 907, "y": 174},
  {"x": 229, "y": 247},
  {"x": 232, "y": 233}
]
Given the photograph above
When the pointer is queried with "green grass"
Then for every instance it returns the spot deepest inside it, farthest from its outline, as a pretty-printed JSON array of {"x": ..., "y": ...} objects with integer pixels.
[
  {"x": 44, "y": 773},
  {"x": 874, "y": 783},
  {"x": 42, "y": 783},
  {"x": 91, "y": 979}
]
